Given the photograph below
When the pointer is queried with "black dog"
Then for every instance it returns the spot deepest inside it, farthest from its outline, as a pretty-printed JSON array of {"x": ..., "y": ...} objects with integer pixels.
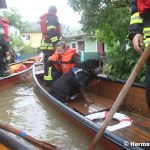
[{"x": 75, "y": 80}]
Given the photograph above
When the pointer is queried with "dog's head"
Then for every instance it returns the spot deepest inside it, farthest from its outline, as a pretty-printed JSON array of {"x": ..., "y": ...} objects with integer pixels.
[{"x": 91, "y": 66}]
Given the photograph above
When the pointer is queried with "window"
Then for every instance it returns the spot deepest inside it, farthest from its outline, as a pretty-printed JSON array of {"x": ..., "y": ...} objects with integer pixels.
[
  {"x": 26, "y": 36},
  {"x": 74, "y": 45}
]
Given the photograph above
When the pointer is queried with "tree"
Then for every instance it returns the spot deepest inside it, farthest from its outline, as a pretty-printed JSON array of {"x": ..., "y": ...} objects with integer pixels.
[
  {"x": 109, "y": 20},
  {"x": 69, "y": 31},
  {"x": 15, "y": 19}
]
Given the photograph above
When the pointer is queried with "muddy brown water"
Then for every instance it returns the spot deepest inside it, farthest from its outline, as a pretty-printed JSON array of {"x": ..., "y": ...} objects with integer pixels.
[{"x": 24, "y": 108}]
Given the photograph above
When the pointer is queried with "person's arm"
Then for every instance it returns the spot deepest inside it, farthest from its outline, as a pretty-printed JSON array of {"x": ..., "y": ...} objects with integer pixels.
[
  {"x": 52, "y": 24},
  {"x": 136, "y": 22},
  {"x": 75, "y": 59},
  {"x": 136, "y": 27}
]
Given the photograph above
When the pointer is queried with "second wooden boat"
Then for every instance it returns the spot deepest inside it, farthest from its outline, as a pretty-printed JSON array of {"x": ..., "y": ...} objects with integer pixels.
[
  {"x": 10, "y": 142},
  {"x": 19, "y": 71}
]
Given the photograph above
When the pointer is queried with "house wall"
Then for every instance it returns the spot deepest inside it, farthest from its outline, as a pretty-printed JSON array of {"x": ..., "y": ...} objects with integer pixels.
[
  {"x": 69, "y": 43},
  {"x": 90, "y": 45},
  {"x": 34, "y": 40},
  {"x": 90, "y": 48}
]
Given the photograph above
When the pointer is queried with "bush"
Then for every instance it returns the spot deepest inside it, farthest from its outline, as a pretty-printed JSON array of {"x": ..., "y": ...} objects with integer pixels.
[
  {"x": 121, "y": 63},
  {"x": 27, "y": 49},
  {"x": 15, "y": 41}
]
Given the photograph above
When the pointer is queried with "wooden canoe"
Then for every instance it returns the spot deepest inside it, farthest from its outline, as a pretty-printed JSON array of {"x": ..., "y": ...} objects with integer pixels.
[
  {"x": 10, "y": 142},
  {"x": 134, "y": 112},
  {"x": 19, "y": 71}
]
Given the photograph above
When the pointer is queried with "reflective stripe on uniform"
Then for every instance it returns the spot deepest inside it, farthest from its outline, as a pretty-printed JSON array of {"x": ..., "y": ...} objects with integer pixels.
[
  {"x": 46, "y": 44},
  {"x": 47, "y": 48},
  {"x": 146, "y": 31},
  {"x": 146, "y": 42},
  {"x": 49, "y": 76},
  {"x": 54, "y": 39},
  {"x": 51, "y": 27},
  {"x": 135, "y": 18}
]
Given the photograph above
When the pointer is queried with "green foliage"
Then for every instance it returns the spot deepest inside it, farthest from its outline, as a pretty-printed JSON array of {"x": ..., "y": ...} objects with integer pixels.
[
  {"x": 15, "y": 19},
  {"x": 27, "y": 49},
  {"x": 121, "y": 63},
  {"x": 109, "y": 21},
  {"x": 15, "y": 41}
]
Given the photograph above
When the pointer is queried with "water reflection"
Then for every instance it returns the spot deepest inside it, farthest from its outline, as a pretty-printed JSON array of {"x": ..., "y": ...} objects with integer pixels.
[{"x": 24, "y": 108}]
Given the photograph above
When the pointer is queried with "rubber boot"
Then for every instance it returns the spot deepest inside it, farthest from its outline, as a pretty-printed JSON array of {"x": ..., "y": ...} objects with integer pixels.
[{"x": 48, "y": 79}]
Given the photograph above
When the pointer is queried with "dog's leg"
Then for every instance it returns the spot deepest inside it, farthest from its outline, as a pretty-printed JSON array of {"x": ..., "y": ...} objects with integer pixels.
[{"x": 82, "y": 90}]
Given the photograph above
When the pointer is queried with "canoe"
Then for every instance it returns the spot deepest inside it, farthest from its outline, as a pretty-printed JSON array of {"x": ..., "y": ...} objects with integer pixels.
[
  {"x": 19, "y": 70},
  {"x": 130, "y": 127},
  {"x": 10, "y": 142}
]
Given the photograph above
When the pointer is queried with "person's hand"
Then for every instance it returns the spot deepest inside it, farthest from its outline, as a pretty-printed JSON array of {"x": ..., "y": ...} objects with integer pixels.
[
  {"x": 137, "y": 40},
  {"x": 7, "y": 54},
  {"x": 49, "y": 58}
]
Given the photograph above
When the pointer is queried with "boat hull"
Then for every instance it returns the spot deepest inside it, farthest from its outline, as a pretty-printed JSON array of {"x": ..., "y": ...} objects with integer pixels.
[
  {"x": 10, "y": 80},
  {"x": 109, "y": 140},
  {"x": 25, "y": 73}
]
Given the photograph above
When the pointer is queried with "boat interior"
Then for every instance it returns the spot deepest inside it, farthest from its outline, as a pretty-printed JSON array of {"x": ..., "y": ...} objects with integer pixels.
[
  {"x": 20, "y": 66},
  {"x": 104, "y": 92}
]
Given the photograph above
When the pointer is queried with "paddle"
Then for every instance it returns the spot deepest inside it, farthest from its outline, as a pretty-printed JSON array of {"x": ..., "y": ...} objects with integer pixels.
[
  {"x": 121, "y": 95},
  {"x": 40, "y": 144}
]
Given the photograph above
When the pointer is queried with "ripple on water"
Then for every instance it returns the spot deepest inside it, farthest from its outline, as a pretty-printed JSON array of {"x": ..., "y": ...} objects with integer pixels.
[{"x": 22, "y": 107}]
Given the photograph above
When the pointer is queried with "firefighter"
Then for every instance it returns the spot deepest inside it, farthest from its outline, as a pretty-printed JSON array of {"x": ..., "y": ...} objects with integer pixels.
[
  {"x": 139, "y": 32},
  {"x": 50, "y": 27},
  {"x": 62, "y": 60},
  {"x": 4, "y": 48}
]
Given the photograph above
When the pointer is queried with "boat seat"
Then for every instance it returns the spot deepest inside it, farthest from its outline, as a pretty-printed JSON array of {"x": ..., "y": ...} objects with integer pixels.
[{"x": 100, "y": 104}]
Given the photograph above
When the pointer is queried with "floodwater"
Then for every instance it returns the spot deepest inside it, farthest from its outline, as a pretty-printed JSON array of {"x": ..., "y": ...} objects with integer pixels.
[{"x": 24, "y": 108}]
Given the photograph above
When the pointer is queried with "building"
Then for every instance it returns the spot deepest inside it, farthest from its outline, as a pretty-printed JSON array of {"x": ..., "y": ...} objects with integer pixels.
[
  {"x": 33, "y": 36},
  {"x": 86, "y": 44}
]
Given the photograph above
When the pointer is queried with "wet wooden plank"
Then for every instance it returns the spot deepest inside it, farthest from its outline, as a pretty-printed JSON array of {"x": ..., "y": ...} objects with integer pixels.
[
  {"x": 139, "y": 131},
  {"x": 100, "y": 104},
  {"x": 3, "y": 147}
]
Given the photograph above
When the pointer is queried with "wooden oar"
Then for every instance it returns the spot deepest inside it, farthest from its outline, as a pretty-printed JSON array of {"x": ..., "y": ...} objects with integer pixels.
[
  {"x": 40, "y": 144},
  {"x": 121, "y": 95}
]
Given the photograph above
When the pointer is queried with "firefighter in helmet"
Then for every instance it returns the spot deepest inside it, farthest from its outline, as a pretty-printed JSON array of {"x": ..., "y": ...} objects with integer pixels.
[{"x": 50, "y": 27}]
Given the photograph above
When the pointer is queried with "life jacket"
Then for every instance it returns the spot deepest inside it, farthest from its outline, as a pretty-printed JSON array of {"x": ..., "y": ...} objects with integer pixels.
[
  {"x": 44, "y": 25},
  {"x": 142, "y": 5},
  {"x": 64, "y": 64},
  {"x": 6, "y": 27}
]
